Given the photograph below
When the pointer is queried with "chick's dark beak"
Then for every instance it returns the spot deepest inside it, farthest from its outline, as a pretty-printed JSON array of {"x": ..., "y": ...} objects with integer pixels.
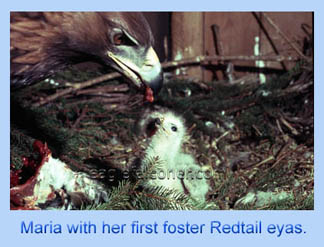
[
  {"x": 157, "y": 121},
  {"x": 153, "y": 126}
]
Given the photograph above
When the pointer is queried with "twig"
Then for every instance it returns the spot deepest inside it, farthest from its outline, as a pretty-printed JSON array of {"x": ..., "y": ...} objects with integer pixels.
[
  {"x": 270, "y": 158},
  {"x": 82, "y": 115},
  {"x": 115, "y": 100},
  {"x": 185, "y": 62},
  {"x": 101, "y": 94},
  {"x": 288, "y": 125},
  {"x": 104, "y": 90},
  {"x": 76, "y": 87},
  {"x": 296, "y": 88},
  {"x": 271, "y": 22},
  {"x": 217, "y": 42},
  {"x": 228, "y": 73},
  {"x": 267, "y": 35},
  {"x": 205, "y": 59},
  {"x": 222, "y": 136}
]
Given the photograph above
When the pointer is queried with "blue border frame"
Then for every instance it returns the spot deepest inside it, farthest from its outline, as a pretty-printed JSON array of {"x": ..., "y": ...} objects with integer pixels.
[{"x": 10, "y": 221}]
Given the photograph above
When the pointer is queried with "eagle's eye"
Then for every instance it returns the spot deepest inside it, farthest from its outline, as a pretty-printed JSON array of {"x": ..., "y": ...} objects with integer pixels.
[
  {"x": 118, "y": 39},
  {"x": 174, "y": 128}
]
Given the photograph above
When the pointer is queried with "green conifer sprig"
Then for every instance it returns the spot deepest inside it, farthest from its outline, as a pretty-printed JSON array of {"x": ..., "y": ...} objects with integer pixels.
[{"x": 140, "y": 196}]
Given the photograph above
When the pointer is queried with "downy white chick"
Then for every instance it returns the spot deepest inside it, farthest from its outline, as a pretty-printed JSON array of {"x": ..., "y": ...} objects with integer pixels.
[{"x": 166, "y": 132}]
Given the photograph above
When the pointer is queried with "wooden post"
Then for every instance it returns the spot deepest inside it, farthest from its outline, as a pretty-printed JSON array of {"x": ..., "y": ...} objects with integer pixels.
[{"x": 187, "y": 30}]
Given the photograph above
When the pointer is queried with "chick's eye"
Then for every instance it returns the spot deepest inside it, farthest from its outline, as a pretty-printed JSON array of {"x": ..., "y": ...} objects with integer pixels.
[
  {"x": 118, "y": 39},
  {"x": 173, "y": 128}
]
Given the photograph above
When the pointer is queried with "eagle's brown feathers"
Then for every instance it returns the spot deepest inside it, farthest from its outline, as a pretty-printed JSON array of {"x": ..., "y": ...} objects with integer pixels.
[{"x": 44, "y": 42}]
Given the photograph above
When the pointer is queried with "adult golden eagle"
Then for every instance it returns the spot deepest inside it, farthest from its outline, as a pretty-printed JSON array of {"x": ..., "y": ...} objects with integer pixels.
[{"x": 44, "y": 42}]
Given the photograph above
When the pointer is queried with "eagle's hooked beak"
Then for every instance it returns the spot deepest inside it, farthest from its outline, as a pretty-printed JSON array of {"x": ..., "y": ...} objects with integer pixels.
[{"x": 148, "y": 71}]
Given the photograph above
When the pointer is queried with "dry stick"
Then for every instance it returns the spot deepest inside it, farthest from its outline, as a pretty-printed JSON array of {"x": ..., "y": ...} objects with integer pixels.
[
  {"x": 115, "y": 100},
  {"x": 217, "y": 41},
  {"x": 104, "y": 90},
  {"x": 269, "y": 38},
  {"x": 218, "y": 44},
  {"x": 101, "y": 95},
  {"x": 76, "y": 87},
  {"x": 204, "y": 59},
  {"x": 270, "y": 158},
  {"x": 288, "y": 125},
  {"x": 271, "y": 22},
  {"x": 83, "y": 113},
  {"x": 185, "y": 62}
]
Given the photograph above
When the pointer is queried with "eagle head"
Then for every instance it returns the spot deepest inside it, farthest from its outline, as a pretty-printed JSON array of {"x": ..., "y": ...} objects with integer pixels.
[{"x": 121, "y": 40}]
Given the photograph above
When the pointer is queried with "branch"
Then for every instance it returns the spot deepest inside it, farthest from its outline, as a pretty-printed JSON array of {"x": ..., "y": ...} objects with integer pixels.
[
  {"x": 271, "y": 22},
  {"x": 205, "y": 59},
  {"x": 109, "y": 89},
  {"x": 75, "y": 87},
  {"x": 185, "y": 62}
]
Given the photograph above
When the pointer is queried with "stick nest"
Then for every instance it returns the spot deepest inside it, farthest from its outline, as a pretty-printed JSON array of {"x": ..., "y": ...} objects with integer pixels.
[{"x": 254, "y": 137}]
